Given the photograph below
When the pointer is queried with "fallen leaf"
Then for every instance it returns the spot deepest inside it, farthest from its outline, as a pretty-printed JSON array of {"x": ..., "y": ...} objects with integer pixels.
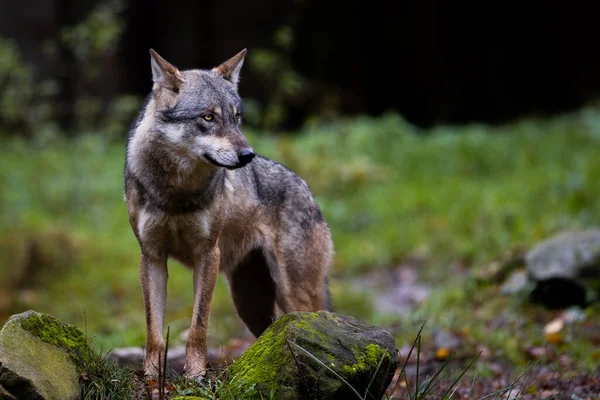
[
  {"x": 553, "y": 331},
  {"x": 442, "y": 353}
]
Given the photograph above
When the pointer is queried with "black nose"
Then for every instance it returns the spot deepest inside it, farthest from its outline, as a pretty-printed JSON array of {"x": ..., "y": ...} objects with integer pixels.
[{"x": 245, "y": 156}]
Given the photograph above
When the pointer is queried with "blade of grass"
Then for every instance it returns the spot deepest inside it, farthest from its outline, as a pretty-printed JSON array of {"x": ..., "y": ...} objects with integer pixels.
[
  {"x": 403, "y": 369},
  {"x": 374, "y": 375},
  {"x": 433, "y": 378},
  {"x": 332, "y": 371},
  {"x": 410, "y": 397},
  {"x": 462, "y": 373},
  {"x": 298, "y": 365},
  {"x": 418, "y": 360},
  {"x": 504, "y": 390},
  {"x": 473, "y": 382}
]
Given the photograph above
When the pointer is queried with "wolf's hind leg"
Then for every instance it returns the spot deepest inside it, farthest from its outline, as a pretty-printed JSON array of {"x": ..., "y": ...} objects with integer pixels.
[
  {"x": 253, "y": 292},
  {"x": 300, "y": 272}
]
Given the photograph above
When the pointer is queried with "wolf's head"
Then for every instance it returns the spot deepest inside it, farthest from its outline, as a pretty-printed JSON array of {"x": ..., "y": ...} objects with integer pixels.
[{"x": 198, "y": 113}]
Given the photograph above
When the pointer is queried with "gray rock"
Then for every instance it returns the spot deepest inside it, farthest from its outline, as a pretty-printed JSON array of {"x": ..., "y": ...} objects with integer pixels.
[
  {"x": 39, "y": 357},
  {"x": 516, "y": 282},
  {"x": 566, "y": 267},
  {"x": 304, "y": 356},
  {"x": 568, "y": 255}
]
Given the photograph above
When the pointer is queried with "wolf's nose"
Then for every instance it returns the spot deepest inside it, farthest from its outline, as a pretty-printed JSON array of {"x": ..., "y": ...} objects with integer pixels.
[{"x": 245, "y": 156}]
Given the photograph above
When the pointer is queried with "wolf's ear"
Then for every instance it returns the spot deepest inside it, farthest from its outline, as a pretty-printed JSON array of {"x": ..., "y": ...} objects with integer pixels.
[
  {"x": 164, "y": 74},
  {"x": 230, "y": 69}
]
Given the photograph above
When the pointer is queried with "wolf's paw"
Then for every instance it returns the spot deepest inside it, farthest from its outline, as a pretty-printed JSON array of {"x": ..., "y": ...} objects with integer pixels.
[
  {"x": 195, "y": 373},
  {"x": 152, "y": 369}
]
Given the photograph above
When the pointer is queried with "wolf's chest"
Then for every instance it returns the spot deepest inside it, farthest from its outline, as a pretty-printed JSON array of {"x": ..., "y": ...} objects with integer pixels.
[
  {"x": 189, "y": 236},
  {"x": 183, "y": 237}
]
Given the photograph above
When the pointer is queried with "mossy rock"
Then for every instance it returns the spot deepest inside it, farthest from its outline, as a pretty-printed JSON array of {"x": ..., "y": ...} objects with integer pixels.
[
  {"x": 306, "y": 355},
  {"x": 41, "y": 357}
]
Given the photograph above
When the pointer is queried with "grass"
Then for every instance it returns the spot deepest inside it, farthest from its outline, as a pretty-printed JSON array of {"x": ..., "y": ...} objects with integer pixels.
[
  {"x": 454, "y": 197},
  {"x": 104, "y": 379}
]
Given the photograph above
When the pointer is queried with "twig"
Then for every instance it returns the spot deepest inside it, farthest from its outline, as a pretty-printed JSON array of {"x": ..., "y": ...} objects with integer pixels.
[{"x": 162, "y": 370}]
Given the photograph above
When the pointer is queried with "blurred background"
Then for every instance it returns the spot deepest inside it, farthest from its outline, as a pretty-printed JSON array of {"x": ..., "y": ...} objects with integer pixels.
[{"x": 441, "y": 140}]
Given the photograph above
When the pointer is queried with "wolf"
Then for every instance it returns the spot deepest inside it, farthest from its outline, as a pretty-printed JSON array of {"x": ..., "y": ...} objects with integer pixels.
[{"x": 196, "y": 192}]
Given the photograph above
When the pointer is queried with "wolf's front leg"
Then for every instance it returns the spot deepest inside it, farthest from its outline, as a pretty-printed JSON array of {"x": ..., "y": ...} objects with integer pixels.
[
  {"x": 153, "y": 274},
  {"x": 205, "y": 278}
]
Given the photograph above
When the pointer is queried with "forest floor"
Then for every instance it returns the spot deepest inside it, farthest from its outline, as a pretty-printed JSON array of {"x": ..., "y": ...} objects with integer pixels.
[{"x": 419, "y": 218}]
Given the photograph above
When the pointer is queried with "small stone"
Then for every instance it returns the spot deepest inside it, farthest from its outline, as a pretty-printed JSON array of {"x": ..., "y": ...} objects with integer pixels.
[{"x": 516, "y": 282}]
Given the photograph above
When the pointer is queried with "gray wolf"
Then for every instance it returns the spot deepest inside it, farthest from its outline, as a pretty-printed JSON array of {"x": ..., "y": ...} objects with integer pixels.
[{"x": 196, "y": 192}]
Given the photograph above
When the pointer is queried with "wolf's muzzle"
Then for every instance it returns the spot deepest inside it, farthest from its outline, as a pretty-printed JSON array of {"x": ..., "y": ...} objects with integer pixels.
[{"x": 245, "y": 156}]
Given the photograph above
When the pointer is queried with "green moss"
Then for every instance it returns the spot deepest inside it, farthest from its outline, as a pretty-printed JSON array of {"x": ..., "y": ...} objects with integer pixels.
[
  {"x": 366, "y": 360},
  {"x": 307, "y": 324},
  {"x": 374, "y": 353},
  {"x": 68, "y": 337},
  {"x": 268, "y": 360},
  {"x": 272, "y": 366},
  {"x": 45, "y": 366}
]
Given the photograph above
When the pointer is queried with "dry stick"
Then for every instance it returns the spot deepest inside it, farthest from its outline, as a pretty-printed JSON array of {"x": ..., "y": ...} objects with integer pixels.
[
  {"x": 166, "y": 355},
  {"x": 162, "y": 370},
  {"x": 161, "y": 394}
]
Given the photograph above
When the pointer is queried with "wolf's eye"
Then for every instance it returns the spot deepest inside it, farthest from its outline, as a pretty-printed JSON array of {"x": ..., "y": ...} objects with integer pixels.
[
  {"x": 208, "y": 117},
  {"x": 238, "y": 116}
]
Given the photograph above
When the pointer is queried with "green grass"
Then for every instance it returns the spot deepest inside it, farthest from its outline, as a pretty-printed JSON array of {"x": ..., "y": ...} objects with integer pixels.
[
  {"x": 468, "y": 194},
  {"x": 104, "y": 379}
]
